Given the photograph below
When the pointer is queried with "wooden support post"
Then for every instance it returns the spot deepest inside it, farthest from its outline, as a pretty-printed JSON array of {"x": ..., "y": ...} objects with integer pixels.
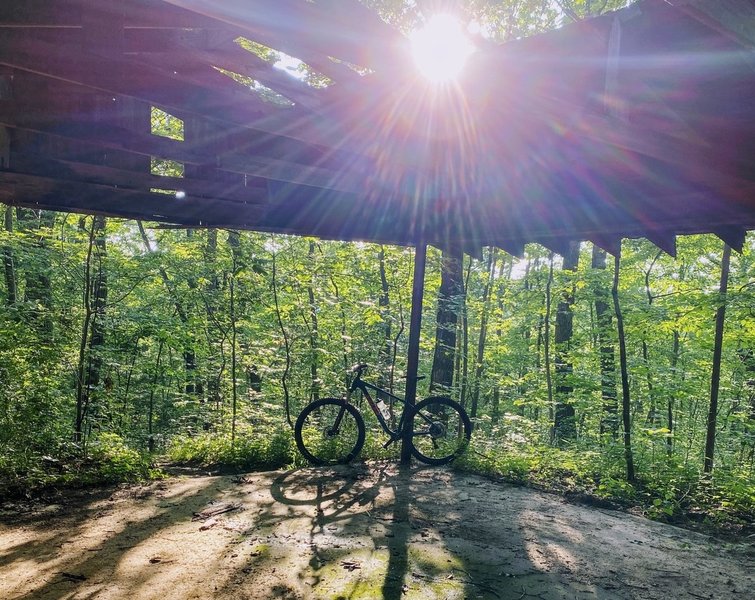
[{"x": 412, "y": 363}]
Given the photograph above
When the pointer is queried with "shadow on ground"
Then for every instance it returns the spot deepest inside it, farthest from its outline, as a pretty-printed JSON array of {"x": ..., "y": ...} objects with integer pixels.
[{"x": 363, "y": 531}]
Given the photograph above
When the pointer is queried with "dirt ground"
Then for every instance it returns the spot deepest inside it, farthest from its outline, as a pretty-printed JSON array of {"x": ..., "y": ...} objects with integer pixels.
[{"x": 368, "y": 531}]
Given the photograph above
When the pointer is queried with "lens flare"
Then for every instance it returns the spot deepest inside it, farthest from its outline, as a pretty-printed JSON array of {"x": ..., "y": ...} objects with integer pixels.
[{"x": 440, "y": 49}]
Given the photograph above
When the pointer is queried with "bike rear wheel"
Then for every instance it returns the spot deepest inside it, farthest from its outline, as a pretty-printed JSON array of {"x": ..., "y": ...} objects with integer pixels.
[
  {"x": 329, "y": 431},
  {"x": 441, "y": 430}
]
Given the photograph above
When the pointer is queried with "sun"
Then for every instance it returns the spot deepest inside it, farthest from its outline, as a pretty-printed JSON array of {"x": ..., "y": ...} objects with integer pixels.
[{"x": 440, "y": 49}]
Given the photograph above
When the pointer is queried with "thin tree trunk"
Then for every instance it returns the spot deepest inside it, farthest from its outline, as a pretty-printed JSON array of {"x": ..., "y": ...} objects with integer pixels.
[
  {"x": 609, "y": 421},
  {"x": 495, "y": 410},
  {"x": 547, "y": 343},
  {"x": 97, "y": 329},
  {"x": 151, "y": 439},
  {"x": 81, "y": 395},
  {"x": 652, "y": 416},
  {"x": 127, "y": 387},
  {"x": 211, "y": 288},
  {"x": 10, "y": 271},
  {"x": 189, "y": 356},
  {"x": 564, "y": 422},
  {"x": 384, "y": 353},
  {"x": 625, "y": 400},
  {"x": 38, "y": 288},
  {"x": 449, "y": 303},
  {"x": 234, "y": 241},
  {"x": 344, "y": 345},
  {"x": 313, "y": 327},
  {"x": 492, "y": 256},
  {"x": 715, "y": 379},
  {"x": 671, "y": 399},
  {"x": 286, "y": 344},
  {"x": 465, "y": 340}
]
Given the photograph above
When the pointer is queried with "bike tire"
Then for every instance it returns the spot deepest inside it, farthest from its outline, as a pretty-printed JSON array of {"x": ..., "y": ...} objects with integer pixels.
[
  {"x": 316, "y": 438},
  {"x": 441, "y": 430}
]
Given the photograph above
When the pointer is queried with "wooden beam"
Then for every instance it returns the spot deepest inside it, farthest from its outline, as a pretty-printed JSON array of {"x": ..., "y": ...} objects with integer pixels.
[
  {"x": 155, "y": 85},
  {"x": 513, "y": 247},
  {"x": 40, "y": 13},
  {"x": 732, "y": 18},
  {"x": 5, "y": 141},
  {"x": 42, "y": 192},
  {"x": 611, "y": 244},
  {"x": 230, "y": 56},
  {"x": 77, "y": 172},
  {"x": 558, "y": 245},
  {"x": 343, "y": 30},
  {"x": 665, "y": 240},
  {"x": 255, "y": 166},
  {"x": 733, "y": 235}
]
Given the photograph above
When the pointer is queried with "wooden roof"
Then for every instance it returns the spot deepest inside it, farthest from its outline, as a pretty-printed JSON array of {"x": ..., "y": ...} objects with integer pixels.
[{"x": 637, "y": 123}]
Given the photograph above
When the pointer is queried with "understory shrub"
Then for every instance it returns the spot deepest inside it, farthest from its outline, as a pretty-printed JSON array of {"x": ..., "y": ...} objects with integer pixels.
[{"x": 251, "y": 449}]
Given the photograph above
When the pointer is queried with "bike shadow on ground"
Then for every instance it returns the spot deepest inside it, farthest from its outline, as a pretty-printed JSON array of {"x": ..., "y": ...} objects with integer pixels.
[{"x": 384, "y": 501}]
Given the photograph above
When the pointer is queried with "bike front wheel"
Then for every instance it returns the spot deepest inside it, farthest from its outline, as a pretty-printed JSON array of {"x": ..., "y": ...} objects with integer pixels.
[
  {"x": 441, "y": 430},
  {"x": 329, "y": 431}
]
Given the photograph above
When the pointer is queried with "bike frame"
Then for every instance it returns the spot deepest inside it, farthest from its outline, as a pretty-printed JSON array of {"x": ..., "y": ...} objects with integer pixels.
[{"x": 364, "y": 388}]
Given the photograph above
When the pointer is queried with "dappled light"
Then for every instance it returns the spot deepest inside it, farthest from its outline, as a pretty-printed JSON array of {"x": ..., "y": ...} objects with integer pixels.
[{"x": 364, "y": 531}]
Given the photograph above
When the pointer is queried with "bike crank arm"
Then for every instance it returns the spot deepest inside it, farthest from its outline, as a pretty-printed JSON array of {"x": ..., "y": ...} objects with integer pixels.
[{"x": 393, "y": 440}]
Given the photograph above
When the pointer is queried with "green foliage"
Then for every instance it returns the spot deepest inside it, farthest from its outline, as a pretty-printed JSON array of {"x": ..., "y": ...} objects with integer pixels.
[
  {"x": 252, "y": 449},
  {"x": 200, "y": 333},
  {"x": 111, "y": 460}
]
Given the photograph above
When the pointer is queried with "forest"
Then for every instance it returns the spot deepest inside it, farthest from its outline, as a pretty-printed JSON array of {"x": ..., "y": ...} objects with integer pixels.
[{"x": 127, "y": 344}]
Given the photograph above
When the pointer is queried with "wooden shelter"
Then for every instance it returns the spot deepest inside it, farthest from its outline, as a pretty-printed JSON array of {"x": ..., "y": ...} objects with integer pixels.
[{"x": 637, "y": 123}]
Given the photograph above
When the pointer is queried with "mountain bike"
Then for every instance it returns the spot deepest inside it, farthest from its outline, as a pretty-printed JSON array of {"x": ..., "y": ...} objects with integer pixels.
[{"x": 331, "y": 430}]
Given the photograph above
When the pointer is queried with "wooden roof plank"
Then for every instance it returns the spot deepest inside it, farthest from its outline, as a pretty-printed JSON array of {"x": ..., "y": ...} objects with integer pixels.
[
  {"x": 253, "y": 166},
  {"x": 33, "y": 191},
  {"x": 147, "y": 83},
  {"x": 66, "y": 170},
  {"x": 367, "y": 41}
]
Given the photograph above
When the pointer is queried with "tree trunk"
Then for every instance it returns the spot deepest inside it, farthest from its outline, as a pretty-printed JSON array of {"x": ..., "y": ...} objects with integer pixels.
[
  {"x": 547, "y": 342},
  {"x": 234, "y": 241},
  {"x": 94, "y": 396},
  {"x": 465, "y": 339},
  {"x": 10, "y": 271},
  {"x": 384, "y": 353},
  {"x": 211, "y": 288},
  {"x": 671, "y": 398},
  {"x": 313, "y": 327},
  {"x": 189, "y": 356},
  {"x": 492, "y": 256},
  {"x": 38, "y": 288},
  {"x": 564, "y": 423},
  {"x": 715, "y": 379},
  {"x": 625, "y": 400},
  {"x": 609, "y": 422},
  {"x": 82, "y": 394},
  {"x": 449, "y": 305},
  {"x": 652, "y": 416},
  {"x": 495, "y": 409},
  {"x": 286, "y": 343},
  {"x": 151, "y": 413}
]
